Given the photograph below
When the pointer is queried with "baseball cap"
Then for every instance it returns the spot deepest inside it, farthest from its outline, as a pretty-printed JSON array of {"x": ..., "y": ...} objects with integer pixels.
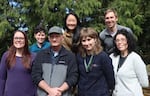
[{"x": 55, "y": 29}]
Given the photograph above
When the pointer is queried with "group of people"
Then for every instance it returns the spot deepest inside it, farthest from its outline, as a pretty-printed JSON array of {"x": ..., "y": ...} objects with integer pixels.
[{"x": 78, "y": 59}]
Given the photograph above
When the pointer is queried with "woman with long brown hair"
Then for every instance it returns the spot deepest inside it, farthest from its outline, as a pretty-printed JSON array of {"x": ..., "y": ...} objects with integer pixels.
[{"x": 15, "y": 68}]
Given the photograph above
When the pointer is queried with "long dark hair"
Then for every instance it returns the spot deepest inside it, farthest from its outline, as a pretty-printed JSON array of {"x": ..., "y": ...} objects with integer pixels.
[
  {"x": 131, "y": 41},
  {"x": 76, "y": 31},
  {"x": 26, "y": 56}
]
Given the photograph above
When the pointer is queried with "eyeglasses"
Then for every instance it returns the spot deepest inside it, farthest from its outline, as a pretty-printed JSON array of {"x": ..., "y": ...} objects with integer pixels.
[
  {"x": 18, "y": 38},
  {"x": 120, "y": 40}
]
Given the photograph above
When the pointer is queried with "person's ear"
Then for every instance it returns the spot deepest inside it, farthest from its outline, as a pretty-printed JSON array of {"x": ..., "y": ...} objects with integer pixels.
[
  {"x": 116, "y": 18},
  {"x": 34, "y": 35}
]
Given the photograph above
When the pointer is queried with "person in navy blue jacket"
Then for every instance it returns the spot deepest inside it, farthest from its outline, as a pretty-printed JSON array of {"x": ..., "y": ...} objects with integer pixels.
[{"x": 96, "y": 76}]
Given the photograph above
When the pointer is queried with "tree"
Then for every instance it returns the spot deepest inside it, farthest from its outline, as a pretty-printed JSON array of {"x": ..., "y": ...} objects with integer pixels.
[
  {"x": 33, "y": 12},
  {"x": 27, "y": 14},
  {"x": 144, "y": 39},
  {"x": 130, "y": 14}
]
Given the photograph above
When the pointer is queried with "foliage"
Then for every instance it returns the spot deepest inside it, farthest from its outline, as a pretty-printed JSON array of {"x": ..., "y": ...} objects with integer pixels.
[
  {"x": 130, "y": 14},
  {"x": 29, "y": 13},
  {"x": 144, "y": 39}
]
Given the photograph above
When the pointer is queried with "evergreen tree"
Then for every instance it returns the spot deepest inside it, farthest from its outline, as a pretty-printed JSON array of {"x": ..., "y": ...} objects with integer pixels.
[
  {"x": 27, "y": 14},
  {"x": 130, "y": 14}
]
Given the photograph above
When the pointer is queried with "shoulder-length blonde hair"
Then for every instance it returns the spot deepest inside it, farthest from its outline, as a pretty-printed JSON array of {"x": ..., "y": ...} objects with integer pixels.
[{"x": 89, "y": 32}]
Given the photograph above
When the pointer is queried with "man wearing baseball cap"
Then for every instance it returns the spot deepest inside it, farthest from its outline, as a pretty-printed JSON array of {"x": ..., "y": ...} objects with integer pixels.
[{"x": 54, "y": 70}]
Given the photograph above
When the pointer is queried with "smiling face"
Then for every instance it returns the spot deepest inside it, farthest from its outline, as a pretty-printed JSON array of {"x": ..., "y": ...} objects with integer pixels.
[
  {"x": 55, "y": 40},
  {"x": 88, "y": 43},
  {"x": 19, "y": 40},
  {"x": 40, "y": 37},
  {"x": 111, "y": 19},
  {"x": 71, "y": 22},
  {"x": 121, "y": 43}
]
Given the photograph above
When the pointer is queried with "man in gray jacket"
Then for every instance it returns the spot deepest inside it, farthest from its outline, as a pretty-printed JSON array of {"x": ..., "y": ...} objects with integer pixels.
[
  {"x": 54, "y": 69},
  {"x": 111, "y": 29}
]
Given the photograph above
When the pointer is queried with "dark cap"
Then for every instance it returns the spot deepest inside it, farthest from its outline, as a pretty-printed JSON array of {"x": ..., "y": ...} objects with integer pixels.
[{"x": 55, "y": 29}]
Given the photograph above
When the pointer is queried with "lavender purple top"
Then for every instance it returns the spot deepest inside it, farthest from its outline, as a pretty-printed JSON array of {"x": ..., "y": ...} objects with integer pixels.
[{"x": 17, "y": 80}]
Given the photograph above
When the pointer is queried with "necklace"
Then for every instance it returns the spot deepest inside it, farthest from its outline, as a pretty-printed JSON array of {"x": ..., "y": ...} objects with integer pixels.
[{"x": 87, "y": 66}]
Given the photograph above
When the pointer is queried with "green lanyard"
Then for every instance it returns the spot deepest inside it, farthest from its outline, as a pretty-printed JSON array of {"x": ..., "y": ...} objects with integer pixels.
[{"x": 87, "y": 66}]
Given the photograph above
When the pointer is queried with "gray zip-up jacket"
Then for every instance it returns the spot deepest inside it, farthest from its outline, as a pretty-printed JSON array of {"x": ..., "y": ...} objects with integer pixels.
[
  {"x": 55, "y": 70},
  {"x": 107, "y": 39}
]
